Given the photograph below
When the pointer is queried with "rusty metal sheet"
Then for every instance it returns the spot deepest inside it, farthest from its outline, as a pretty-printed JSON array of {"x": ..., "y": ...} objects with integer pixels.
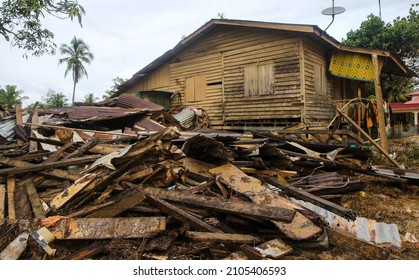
[
  {"x": 105, "y": 228},
  {"x": 130, "y": 101},
  {"x": 362, "y": 228}
]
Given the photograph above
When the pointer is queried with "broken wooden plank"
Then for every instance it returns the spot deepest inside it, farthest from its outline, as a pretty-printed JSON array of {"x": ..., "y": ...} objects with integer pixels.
[
  {"x": 15, "y": 249},
  {"x": 106, "y": 228},
  {"x": 181, "y": 215},
  {"x": 85, "y": 147},
  {"x": 88, "y": 251},
  {"x": 11, "y": 213},
  {"x": 306, "y": 196},
  {"x": 221, "y": 237},
  {"x": 273, "y": 249},
  {"x": 269, "y": 172},
  {"x": 300, "y": 228},
  {"x": 40, "y": 167},
  {"x": 264, "y": 212},
  {"x": 62, "y": 198},
  {"x": 36, "y": 203},
  {"x": 362, "y": 248},
  {"x": 54, "y": 173},
  {"x": 122, "y": 202},
  {"x": 381, "y": 149},
  {"x": 2, "y": 201}
]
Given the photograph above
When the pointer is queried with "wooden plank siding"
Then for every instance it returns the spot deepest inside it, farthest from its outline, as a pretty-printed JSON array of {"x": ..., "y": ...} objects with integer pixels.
[
  {"x": 319, "y": 88},
  {"x": 282, "y": 52},
  {"x": 220, "y": 58}
]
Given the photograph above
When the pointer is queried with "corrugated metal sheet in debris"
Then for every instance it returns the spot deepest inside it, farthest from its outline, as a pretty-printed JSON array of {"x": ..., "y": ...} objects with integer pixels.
[
  {"x": 131, "y": 101},
  {"x": 7, "y": 125},
  {"x": 149, "y": 125},
  {"x": 98, "y": 113},
  {"x": 362, "y": 228},
  {"x": 186, "y": 117}
]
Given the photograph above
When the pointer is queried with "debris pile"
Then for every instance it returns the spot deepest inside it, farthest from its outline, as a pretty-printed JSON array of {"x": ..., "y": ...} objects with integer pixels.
[{"x": 70, "y": 193}]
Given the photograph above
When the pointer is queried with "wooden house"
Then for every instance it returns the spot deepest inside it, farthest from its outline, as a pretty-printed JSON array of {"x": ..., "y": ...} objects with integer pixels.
[{"x": 248, "y": 74}]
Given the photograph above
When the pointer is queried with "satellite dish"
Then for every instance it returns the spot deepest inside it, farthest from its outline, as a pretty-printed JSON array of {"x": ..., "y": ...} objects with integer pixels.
[{"x": 333, "y": 11}]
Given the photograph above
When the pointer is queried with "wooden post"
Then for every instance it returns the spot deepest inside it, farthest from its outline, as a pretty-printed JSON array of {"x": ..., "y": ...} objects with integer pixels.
[
  {"x": 11, "y": 197},
  {"x": 2, "y": 201},
  {"x": 378, "y": 94},
  {"x": 19, "y": 119},
  {"x": 33, "y": 146},
  {"x": 359, "y": 110}
]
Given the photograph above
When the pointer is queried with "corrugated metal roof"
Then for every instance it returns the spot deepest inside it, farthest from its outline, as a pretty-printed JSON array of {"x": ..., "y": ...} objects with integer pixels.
[
  {"x": 362, "y": 228},
  {"x": 7, "y": 125},
  {"x": 96, "y": 113},
  {"x": 149, "y": 125},
  {"x": 131, "y": 101}
]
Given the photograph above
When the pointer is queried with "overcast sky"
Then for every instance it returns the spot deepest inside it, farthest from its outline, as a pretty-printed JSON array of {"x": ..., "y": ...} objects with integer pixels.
[{"x": 126, "y": 35}]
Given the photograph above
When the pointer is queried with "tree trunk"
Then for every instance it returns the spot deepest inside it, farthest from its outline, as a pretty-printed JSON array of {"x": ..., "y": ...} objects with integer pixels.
[{"x": 74, "y": 92}]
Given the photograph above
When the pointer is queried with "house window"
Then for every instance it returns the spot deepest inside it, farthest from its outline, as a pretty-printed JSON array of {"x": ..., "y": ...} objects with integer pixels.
[
  {"x": 320, "y": 83},
  {"x": 195, "y": 88},
  {"x": 259, "y": 79}
]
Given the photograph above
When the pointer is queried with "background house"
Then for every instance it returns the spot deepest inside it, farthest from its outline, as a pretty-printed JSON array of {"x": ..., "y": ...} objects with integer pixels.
[{"x": 248, "y": 74}]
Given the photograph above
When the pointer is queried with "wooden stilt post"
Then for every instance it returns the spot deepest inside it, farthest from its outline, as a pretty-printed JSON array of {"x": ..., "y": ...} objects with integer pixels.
[{"x": 378, "y": 94}]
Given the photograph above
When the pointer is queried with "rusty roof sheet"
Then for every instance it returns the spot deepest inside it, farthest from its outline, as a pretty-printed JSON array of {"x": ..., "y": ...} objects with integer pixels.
[
  {"x": 97, "y": 113},
  {"x": 362, "y": 228},
  {"x": 130, "y": 101},
  {"x": 149, "y": 125}
]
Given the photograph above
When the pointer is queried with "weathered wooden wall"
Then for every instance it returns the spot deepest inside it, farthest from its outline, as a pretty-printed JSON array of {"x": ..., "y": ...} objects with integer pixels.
[
  {"x": 214, "y": 72},
  {"x": 319, "y": 86}
]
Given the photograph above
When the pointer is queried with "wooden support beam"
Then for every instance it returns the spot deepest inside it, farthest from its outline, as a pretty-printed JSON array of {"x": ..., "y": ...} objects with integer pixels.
[
  {"x": 106, "y": 228},
  {"x": 33, "y": 146},
  {"x": 383, "y": 151},
  {"x": 40, "y": 167},
  {"x": 2, "y": 201},
  {"x": 11, "y": 198},
  {"x": 36, "y": 203},
  {"x": 181, "y": 215},
  {"x": 380, "y": 109},
  {"x": 264, "y": 212},
  {"x": 221, "y": 237},
  {"x": 362, "y": 248}
]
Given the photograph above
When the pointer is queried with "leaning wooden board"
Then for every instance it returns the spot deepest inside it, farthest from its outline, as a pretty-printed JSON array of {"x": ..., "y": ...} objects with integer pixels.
[{"x": 300, "y": 228}]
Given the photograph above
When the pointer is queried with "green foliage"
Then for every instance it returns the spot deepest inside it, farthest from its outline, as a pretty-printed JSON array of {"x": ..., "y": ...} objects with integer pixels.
[
  {"x": 21, "y": 22},
  {"x": 9, "y": 96},
  {"x": 77, "y": 53},
  {"x": 401, "y": 37},
  {"x": 55, "y": 99},
  {"x": 116, "y": 83},
  {"x": 90, "y": 98}
]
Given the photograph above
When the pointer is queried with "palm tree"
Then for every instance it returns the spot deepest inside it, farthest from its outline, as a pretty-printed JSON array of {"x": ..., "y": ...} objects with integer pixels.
[
  {"x": 55, "y": 99},
  {"x": 90, "y": 98},
  {"x": 78, "y": 53},
  {"x": 9, "y": 96}
]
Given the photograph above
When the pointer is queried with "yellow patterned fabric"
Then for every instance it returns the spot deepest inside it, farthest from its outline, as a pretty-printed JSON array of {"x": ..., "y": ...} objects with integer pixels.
[{"x": 353, "y": 66}]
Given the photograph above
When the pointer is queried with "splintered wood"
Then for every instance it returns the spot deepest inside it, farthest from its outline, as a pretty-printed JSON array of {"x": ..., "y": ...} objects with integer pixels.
[{"x": 168, "y": 195}]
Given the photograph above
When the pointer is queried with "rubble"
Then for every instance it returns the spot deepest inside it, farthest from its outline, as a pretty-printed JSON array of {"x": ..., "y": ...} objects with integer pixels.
[{"x": 223, "y": 195}]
